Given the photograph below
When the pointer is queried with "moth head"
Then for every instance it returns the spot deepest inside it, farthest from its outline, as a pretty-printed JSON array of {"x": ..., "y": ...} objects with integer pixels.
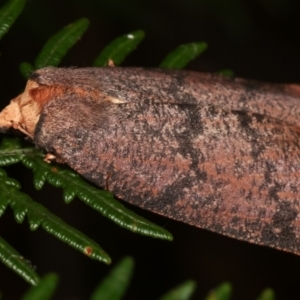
[{"x": 22, "y": 113}]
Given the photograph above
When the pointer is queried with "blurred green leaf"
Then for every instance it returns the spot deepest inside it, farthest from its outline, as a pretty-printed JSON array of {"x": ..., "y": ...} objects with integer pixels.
[
  {"x": 267, "y": 294},
  {"x": 182, "y": 55},
  {"x": 226, "y": 72},
  {"x": 56, "y": 47},
  {"x": 182, "y": 292},
  {"x": 114, "y": 286},
  {"x": 26, "y": 69},
  {"x": 222, "y": 292},
  {"x": 9, "y": 13},
  {"x": 44, "y": 290},
  {"x": 60, "y": 43},
  {"x": 119, "y": 48},
  {"x": 12, "y": 151}
]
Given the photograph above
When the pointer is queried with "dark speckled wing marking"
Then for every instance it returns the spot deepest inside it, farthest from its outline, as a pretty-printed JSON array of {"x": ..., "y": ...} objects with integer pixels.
[
  {"x": 227, "y": 170},
  {"x": 182, "y": 87}
]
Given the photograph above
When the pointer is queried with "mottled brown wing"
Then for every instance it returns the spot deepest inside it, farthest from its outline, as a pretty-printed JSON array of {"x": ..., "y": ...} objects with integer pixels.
[
  {"x": 231, "y": 172},
  {"x": 138, "y": 85}
]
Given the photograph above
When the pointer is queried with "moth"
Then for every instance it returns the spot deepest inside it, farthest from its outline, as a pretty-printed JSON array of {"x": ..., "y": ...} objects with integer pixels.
[{"x": 217, "y": 153}]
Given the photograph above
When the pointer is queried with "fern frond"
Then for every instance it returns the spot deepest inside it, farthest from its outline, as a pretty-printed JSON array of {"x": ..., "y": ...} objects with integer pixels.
[
  {"x": 100, "y": 200},
  {"x": 114, "y": 285},
  {"x": 119, "y": 49},
  {"x": 22, "y": 205},
  {"x": 182, "y": 292},
  {"x": 267, "y": 294},
  {"x": 26, "y": 69},
  {"x": 57, "y": 47},
  {"x": 182, "y": 55},
  {"x": 9, "y": 13},
  {"x": 60, "y": 43},
  {"x": 11, "y": 258},
  {"x": 11, "y": 151},
  {"x": 222, "y": 292},
  {"x": 226, "y": 72},
  {"x": 44, "y": 290}
]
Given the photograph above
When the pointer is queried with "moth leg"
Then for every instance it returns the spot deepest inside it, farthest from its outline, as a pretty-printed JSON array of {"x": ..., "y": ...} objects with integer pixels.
[{"x": 49, "y": 158}]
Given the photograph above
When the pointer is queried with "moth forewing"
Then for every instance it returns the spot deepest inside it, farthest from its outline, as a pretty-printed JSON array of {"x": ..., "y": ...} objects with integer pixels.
[{"x": 217, "y": 153}]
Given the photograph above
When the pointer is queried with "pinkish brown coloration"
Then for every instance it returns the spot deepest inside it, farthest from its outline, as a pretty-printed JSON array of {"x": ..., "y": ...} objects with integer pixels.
[{"x": 218, "y": 153}]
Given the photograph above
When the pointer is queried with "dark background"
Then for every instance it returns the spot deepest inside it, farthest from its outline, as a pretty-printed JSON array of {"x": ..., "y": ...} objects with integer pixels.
[{"x": 257, "y": 39}]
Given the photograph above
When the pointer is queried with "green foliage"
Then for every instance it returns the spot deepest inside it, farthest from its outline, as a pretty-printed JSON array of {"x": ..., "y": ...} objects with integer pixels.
[
  {"x": 226, "y": 72},
  {"x": 44, "y": 290},
  {"x": 182, "y": 55},
  {"x": 12, "y": 151},
  {"x": 26, "y": 69},
  {"x": 60, "y": 43},
  {"x": 112, "y": 287},
  {"x": 8, "y": 14},
  {"x": 182, "y": 292},
  {"x": 57, "y": 47},
  {"x": 267, "y": 294},
  {"x": 102, "y": 201},
  {"x": 22, "y": 205},
  {"x": 115, "y": 284},
  {"x": 119, "y": 48},
  {"x": 11, "y": 258},
  {"x": 223, "y": 292}
]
